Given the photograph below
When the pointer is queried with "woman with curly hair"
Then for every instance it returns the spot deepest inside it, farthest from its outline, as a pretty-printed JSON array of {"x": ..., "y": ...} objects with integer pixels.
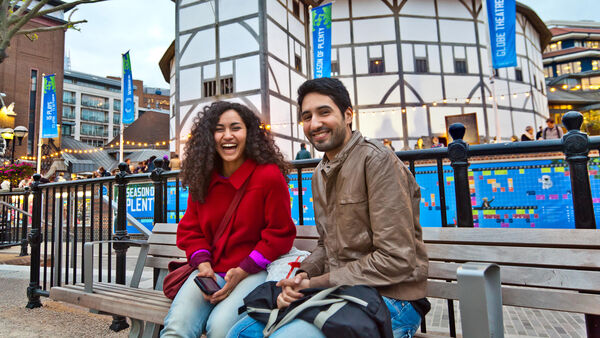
[{"x": 226, "y": 151}]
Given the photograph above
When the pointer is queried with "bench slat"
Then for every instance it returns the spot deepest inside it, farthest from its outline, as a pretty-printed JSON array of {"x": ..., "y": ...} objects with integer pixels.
[
  {"x": 307, "y": 231},
  {"x": 169, "y": 228},
  {"x": 305, "y": 244},
  {"x": 545, "y": 237},
  {"x": 166, "y": 251},
  {"x": 142, "y": 293},
  {"x": 170, "y": 239},
  {"x": 515, "y": 255},
  {"x": 528, "y": 276},
  {"x": 544, "y": 299},
  {"x": 110, "y": 304},
  {"x": 161, "y": 262}
]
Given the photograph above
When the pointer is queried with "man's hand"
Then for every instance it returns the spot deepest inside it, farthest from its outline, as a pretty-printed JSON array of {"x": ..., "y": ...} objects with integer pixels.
[
  {"x": 290, "y": 289},
  {"x": 232, "y": 279}
]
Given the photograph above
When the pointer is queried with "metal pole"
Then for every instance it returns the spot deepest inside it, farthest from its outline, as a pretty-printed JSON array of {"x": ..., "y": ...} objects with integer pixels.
[
  {"x": 40, "y": 140},
  {"x": 25, "y": 206},
  {"x": 156, "y": 176},
  {"x": 458, "y": 154},
  {"x": 119, "y": 323},
  {"x": 492, "y": 82},
  {"x": 35, "y": 238}
]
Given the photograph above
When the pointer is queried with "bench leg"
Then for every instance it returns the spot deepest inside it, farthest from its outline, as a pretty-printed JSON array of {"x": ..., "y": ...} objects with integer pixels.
[
  {"x": 137, "y": 328},
  {"x": 592, "y": 325},
  {"x": 151, "y": 330},
  {"x": 119, "y": 323},
  {"x": 480, "y": 297}
]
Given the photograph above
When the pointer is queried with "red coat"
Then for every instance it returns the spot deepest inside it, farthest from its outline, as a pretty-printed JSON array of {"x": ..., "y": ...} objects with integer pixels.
[{"x": 262, "y": 221}]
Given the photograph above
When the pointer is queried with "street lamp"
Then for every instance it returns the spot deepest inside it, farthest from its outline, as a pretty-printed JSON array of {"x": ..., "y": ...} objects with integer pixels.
[{"x": 9, "y": 134}]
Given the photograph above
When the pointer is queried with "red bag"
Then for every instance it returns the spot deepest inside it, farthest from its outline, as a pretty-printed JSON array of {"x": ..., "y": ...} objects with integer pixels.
[
  {"x": 180, "y": 271},
  {"x": 178, "y": 274}
]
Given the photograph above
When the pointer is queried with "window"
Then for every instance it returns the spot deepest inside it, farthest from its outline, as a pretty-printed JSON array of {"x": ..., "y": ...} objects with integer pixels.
[
  {"x": 496, "y": 74},
  {"x": 595, "y": 64},
  {"x": 298, "y": 63},
  {"x": 568, "y": 68},
  {"x": 518, "y": 75},
  {"x": 376, "y": 66},
  {"x": 209, "y": 88},
  {"x": 93, "y": 130},
  {"x": 68, "y": 97},
  {"x": 94, "y": 101},
  {"x": 115, "y": 132},
  {"x": 117, "y": 105},
  {"x": 68, "y": 112},
  {"x": 227, "y": 85},
  {"x": 296, "y": 8},
  {"x": 460, "y": 66},
  {"x": 335, "y": 68},
  {"x": 548, "y": 72},
  {"x": 94, "y": 115},
  {"x": 553, "y": 47},
  {"x": 535, "y": 84},
  {"x": 593, "y": 44},
  {"x": 421, "y": 65},
  {"x": 93, "y": 142},
  {"x": 66, "y": 130},
  {"x": 116, "y": 118}
]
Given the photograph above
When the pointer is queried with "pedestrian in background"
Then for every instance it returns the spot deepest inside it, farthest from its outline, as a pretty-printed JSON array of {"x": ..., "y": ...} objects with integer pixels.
[
  {"x": 528, "y": 134},
  {"x": 388, "y": 143},
  {"x": 175, "y": 162},
  {"x": 552, "y": 131},
  {"x": 435, "y": 142},
  {"x": 303, "y": 154}
]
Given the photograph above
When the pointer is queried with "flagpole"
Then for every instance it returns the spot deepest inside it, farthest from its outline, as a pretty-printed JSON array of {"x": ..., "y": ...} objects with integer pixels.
[
  {"x": 39, "y": 157},
  {"x": 122, "y": 111},
  {"x": 492, "y": 80}
]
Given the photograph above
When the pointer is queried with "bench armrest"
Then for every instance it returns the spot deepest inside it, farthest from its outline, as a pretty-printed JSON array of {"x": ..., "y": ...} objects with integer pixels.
[{"x": 88, "y": 270}]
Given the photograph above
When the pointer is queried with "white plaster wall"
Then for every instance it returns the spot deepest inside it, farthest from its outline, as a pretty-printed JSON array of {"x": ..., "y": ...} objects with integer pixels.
[
  {"x": 371, "y": 89},
  {"x": 200, "y": 49},
  {"x": 230, "y": 9},
  {"x": 247, "y": 73},
  {"x": 457, "y": 31},
  {"x": 198, "y": 15},
  {"x": 235, "y": 40},
  {"x": 369, "y": 8},
  {"x": 418, "y": 29},
  {"x": 379, "y": 123},
  {"x": 364, "y": 28},
  {"x": 418, "y": 7}
]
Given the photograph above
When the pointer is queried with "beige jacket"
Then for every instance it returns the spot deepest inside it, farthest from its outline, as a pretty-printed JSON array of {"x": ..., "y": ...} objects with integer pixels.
[{"x": 367, "y": 214}]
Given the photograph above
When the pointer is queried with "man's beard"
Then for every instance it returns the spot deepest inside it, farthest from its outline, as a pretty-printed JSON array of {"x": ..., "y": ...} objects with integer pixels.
[{"x": 335, "y": 140}]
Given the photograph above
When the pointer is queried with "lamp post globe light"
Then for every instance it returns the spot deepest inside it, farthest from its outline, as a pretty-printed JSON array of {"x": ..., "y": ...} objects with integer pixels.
[{"x": 9, "y": 134}]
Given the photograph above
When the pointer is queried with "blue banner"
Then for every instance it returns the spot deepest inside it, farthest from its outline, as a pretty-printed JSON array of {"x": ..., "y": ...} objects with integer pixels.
[
  {"x": 49, "y": 119},
  {"x": 501, "y": 21},
  {"x": 321, "y": 21},
  {"x": 127, "y": 91}
]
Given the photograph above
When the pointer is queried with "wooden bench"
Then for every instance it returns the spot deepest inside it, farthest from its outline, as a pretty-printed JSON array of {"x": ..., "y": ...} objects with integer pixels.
[{"x": 552, "y": 269}]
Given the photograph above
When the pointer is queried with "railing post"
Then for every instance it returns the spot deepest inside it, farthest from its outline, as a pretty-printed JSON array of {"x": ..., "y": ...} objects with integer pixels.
[
  {"x": 25, "y": 204},
  {"x": 156, "y": 176},
  {"x": 35, "y": 238},
  {"x": 575, "y": 147},
  {"x": 119, "y": 323},
  {"x": 458, "y": 152}
]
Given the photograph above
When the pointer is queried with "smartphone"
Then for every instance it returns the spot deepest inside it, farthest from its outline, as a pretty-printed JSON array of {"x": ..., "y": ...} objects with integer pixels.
[{"x": 207, "y": 285}]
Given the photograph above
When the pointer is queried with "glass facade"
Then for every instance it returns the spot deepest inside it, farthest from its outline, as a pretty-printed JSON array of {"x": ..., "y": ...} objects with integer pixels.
[
  {"x": 94, "y": 101},
  {"x": 568, "y": 68},
  {"x": 68, "y": 112},
  {"x": 117, "y": 105},
  {"x": 68, "y": 97},
  {"x": 93, "y": 130},
  {"x": 94, "y": 115}
]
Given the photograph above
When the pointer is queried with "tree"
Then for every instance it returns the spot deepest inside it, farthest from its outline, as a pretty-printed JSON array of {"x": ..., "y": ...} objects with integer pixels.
[{"x": 14, "y": 14}]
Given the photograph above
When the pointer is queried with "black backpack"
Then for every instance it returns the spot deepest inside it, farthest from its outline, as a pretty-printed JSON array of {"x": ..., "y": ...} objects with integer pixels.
[{"x": 341, "y": 311}]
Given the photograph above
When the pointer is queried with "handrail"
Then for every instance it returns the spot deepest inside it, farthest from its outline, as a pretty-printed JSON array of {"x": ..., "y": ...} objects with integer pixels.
[{"x": 10, "y": 206}]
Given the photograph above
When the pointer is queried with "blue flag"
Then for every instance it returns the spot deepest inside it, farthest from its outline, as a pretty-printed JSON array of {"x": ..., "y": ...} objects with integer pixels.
[
  {"x": 49, "y": 119},
  {"x": 501, "y": 20},
  {"x": 127, "y": 91},
  {"x": 321, "y": 20}
]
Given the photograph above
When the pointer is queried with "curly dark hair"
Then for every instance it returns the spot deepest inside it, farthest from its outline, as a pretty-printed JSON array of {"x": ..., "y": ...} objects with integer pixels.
[{"x": 201, "y": 157}]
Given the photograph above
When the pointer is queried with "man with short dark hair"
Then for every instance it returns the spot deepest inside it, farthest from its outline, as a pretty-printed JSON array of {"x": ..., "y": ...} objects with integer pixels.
[
  {"x": 552, "y": 131},
  {"x": 367, "y": 214},
  {"x": 303, "y": 154}
]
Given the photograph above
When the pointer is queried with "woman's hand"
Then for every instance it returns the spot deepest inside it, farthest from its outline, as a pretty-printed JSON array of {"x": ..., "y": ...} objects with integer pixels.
[
  {"x": 232, "y": 279},
  {"x": 205, "y": 270}
]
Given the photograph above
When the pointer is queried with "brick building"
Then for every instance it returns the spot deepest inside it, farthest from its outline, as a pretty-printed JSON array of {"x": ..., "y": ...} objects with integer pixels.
[{"x": 21, "y": 76}]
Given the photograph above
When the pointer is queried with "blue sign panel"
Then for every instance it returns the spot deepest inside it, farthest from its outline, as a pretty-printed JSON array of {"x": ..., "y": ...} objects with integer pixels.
[
  {"x": 321, "y": 22},
  {"x": 501, "y": 21},
  {"x": 49, "y": 119},
  {"x": 127, "y": 91}
]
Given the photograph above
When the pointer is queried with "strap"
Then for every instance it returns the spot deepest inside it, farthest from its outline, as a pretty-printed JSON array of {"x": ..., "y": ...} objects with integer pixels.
[
  {"x": 234, "y": 204},
  {"x": 316, "y": 300},
  {"x": 324, "y": 315}
]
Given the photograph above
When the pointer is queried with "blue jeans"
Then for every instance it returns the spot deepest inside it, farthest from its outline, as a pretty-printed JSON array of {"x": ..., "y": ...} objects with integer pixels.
[
  {"x": 190, "y": 315},
  {"x": 405, "y": 322}
]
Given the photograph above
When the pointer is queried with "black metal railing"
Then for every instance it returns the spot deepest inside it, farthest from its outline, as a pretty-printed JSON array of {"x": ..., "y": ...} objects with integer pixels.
[
  {"x": 14, "y": 219},
  {"x": 66, "y": 215}
]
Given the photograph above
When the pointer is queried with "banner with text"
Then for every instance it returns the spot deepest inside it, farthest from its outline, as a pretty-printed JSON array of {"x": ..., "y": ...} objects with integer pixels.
[
  {"x": 501, "y": 21},
  {"x": 321, "y": 22},
  {"x": 49, "y": 118},
  {"x": 127, "y": 91}
]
